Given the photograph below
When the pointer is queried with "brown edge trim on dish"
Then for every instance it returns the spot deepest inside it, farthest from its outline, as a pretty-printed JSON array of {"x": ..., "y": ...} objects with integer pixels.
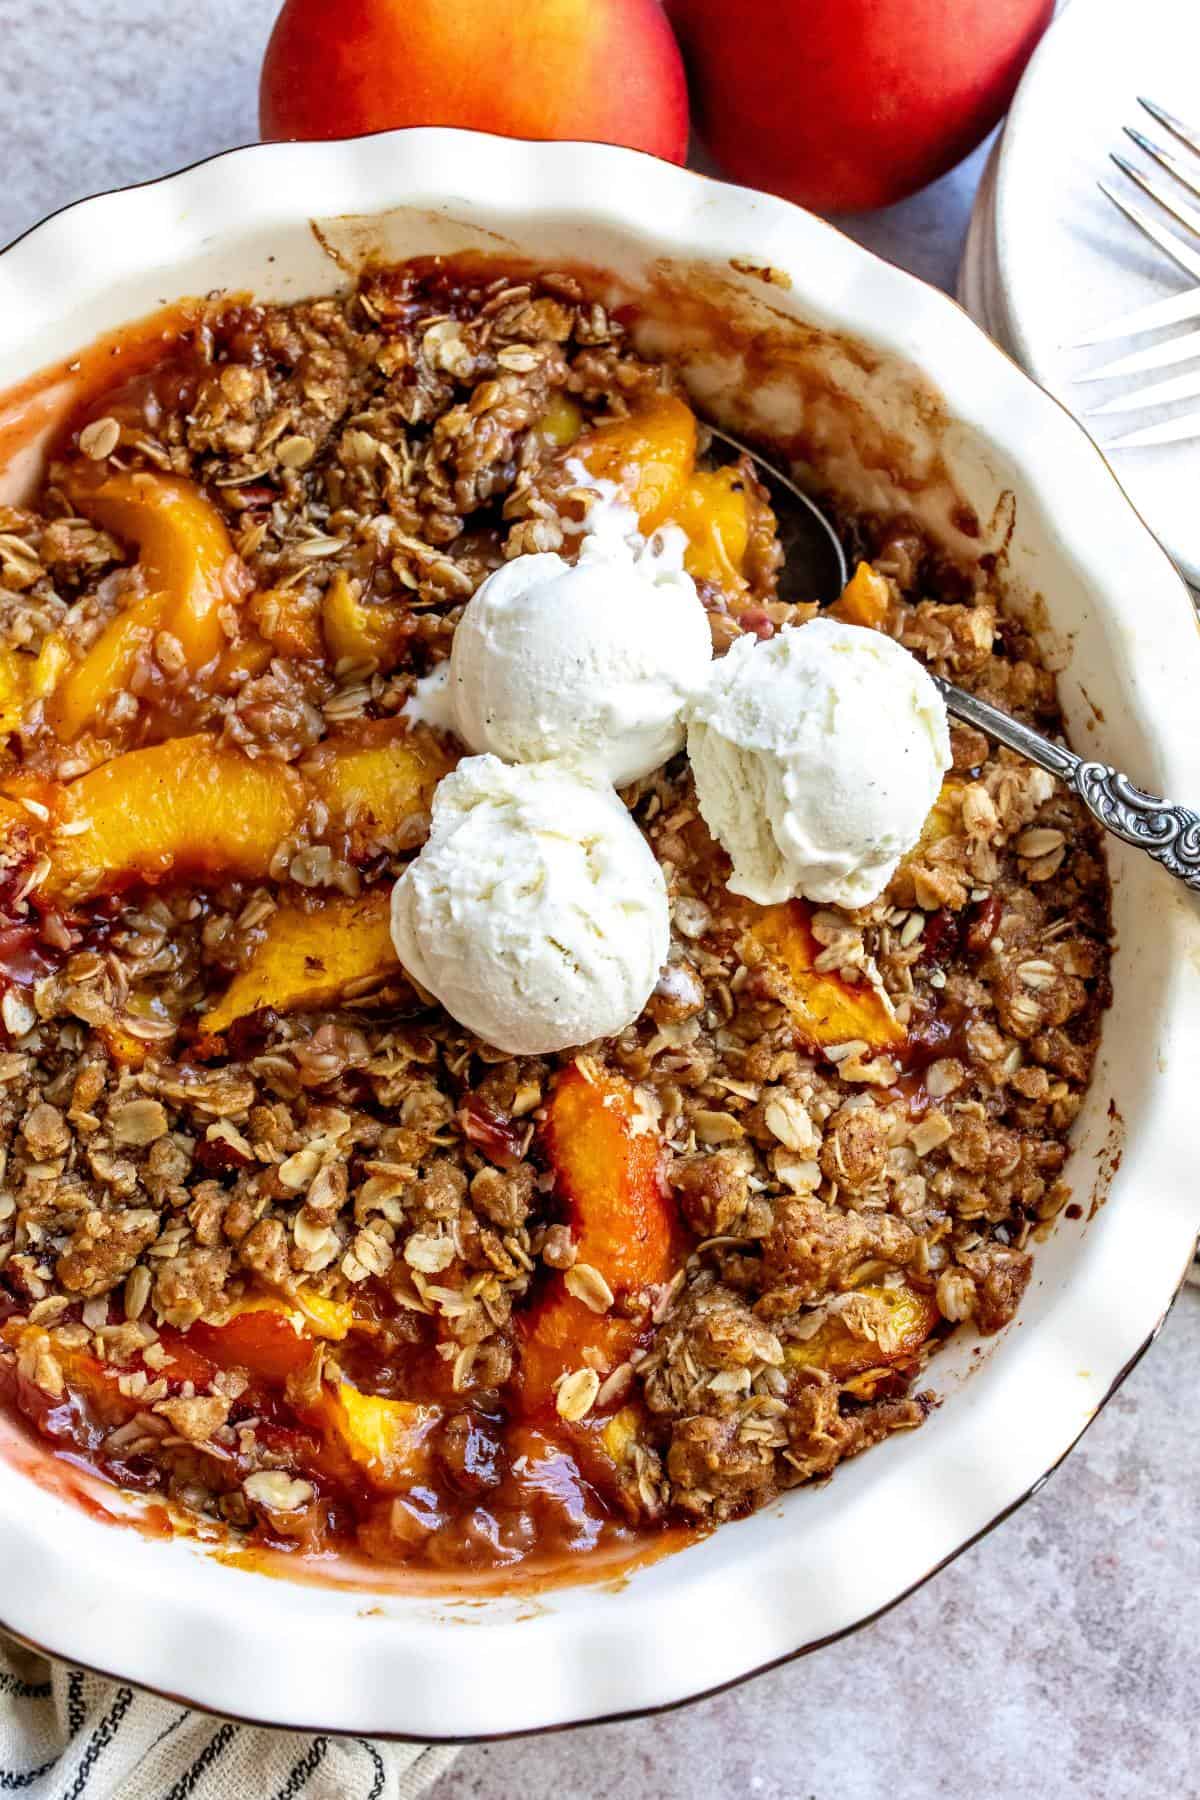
[
  {"x": 1006, "y": 1512},
  {"x": 667, "y": 1706}
]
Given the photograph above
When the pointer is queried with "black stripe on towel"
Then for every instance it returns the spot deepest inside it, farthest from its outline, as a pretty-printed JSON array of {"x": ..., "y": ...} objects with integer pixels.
[
  {"x": 11, "y": 1782},
  {"x": 100, "y": 1739},
  {"x": 216, "y": 1746},
  {"x": 24, "y": 1690},
  {"x": 380, "y": 1771},
  {"x": 76, "y": 1710},
  {"x": 304, "y": 1770}
]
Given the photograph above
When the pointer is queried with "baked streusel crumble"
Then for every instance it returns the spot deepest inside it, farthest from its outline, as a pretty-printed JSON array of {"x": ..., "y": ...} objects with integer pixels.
[{"x": 279, "y": 1239}]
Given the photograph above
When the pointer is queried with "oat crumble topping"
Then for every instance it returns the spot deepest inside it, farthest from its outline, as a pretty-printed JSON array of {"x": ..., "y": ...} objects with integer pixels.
[{"x": 278, "y": 1238}]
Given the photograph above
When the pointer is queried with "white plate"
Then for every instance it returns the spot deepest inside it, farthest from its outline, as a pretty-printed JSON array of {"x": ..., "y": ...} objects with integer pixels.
[
  {"x": 979, "y": 274},
  {"x": 1065, "y": 261}
]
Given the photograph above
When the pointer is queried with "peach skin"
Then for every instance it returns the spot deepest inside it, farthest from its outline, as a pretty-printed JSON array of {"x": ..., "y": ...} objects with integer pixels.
[
  {"x": 607, "y": 1163},
  {"x": 606, "y": 71}
]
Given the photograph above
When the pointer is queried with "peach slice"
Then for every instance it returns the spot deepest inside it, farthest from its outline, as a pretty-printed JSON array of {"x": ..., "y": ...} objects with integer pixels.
[
  {"x": 13, "y": 686},
  {"x": 189, "y": 573},
  {"x": 184, "y": 551},
  {"x": 105, "y": 669},
  {"x": 308, "y": 957},
  {"x": 714, "y": 512},
  {"x": 81, "y": 1372},
  {"x": 288, "y": 622},
  {"x": 184, "y": 805},
  {"x": 943, "y": 816},
  {"x": 608, "y": 1168},
  {"x": 649, "y": 456},
  {"x": 826, "y": 1009},
  {"x": 360, "y": 633},
  {"x": 864, "y": 600},
  {"x": 272, "y": 1337},
  {"x": 240, "y": 663},
  {"x": 562, "y": 421},
  {"x": 908, "y": 1317},
  {"x": 387, "y": 1439},
  {"x": 21, "y": 832},
  {"x": 99, "y": 1383},
  {"x": 24, "y": 679},
  {"x": 375, "y": 778}
]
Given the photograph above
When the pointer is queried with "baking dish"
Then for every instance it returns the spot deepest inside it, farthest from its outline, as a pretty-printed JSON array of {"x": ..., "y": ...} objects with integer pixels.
[{"x": 892, "y": 398}]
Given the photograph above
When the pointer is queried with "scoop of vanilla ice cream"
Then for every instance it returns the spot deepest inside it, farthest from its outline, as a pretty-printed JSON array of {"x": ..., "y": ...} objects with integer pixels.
[
  {"x": 592, "y": 660},
  {"x": 536, "y": 912},
  {"x": 817, "y": 756}
]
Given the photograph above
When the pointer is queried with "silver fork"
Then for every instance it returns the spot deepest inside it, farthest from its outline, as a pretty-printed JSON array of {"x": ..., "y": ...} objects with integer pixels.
[{"x": 1183, "y": 173}]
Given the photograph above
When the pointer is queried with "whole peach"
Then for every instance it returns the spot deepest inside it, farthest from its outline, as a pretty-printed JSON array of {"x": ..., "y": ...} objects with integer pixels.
[
  {"x": 606, "y": 71},
  {"x": 848, "y": 104}
]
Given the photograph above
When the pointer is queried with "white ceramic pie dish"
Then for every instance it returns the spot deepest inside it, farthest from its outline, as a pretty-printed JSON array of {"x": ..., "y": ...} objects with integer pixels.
[{"x": 168, "y": 1614}]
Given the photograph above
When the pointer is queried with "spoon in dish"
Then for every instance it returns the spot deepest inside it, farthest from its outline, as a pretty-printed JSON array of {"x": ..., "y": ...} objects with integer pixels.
[{"x": 816, "y": 564}]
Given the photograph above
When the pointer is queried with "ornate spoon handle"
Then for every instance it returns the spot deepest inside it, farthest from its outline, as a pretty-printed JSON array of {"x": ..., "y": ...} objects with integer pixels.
[{"x": 1171, "y": 834}]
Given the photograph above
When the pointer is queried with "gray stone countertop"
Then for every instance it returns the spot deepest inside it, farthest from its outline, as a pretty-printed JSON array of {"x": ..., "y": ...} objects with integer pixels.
[{"x": 1060, "y": 1656}]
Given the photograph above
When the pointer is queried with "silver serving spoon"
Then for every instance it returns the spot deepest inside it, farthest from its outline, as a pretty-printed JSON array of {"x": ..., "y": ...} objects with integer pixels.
[{"x": 816, "y": 564}]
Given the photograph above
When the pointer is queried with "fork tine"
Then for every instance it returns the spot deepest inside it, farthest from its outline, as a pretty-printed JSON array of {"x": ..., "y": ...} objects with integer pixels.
[
  {"x": 1172, "y": 431},
  {"x": 1177, "y": 309},
  {"x": 1176, "y": 249},
  {"x": 1166, "y": 159},
  {"x": 1184, "y": 214},
  {"x": 1159, "y": 393},
  {"x": 1186, "y": 134},
  {"x": 1140, "y": 362}
]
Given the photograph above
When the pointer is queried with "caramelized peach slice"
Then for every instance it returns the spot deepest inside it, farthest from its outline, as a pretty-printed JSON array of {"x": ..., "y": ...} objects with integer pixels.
[
  {"x": 562, "y": 421},
  {"x": 240, "y": 663},
  {"x": 25, "y": 679},
  {"x": 184, "y": 805},
  {"x": 943, "y": 816},
  {"x": 189, "y": 573},
  {"x": 53, "y": 1366},
  {"x": 13, "y": 688},
  {"x": 375, "y": 779},
  {"x": 901, "y": 1318},
  {"x": 362, "y": 633},
  {"x": 864, "y": 600},
  {"x": 272, "y": 1337},
  {"x": 288, "y": 622},
  {"x": 387, "y": 1439},
  {"x": 127, "y": 1051},
  {"x": 184, "y": 551},
  {"x": 265, "y": 1343},
  {"x": 607, "y": 1164},
  {"x": 105, "y": 669},
  {"x": 99, "y": 1383},
  {"x": 118, "y": 1033},
  {"x": 648, "y": 455},
  {"x": 714, "y": 512},
  {"x": 826, "y": 1009},
  {"x": 620, "y": 1434},
  {"x": 21, "y": 833},
  {"x": 308, "y": 958}
]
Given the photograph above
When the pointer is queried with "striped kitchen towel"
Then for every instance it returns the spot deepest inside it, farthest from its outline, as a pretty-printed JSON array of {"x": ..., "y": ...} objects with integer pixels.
[{"x": 68, "y": 1735}]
